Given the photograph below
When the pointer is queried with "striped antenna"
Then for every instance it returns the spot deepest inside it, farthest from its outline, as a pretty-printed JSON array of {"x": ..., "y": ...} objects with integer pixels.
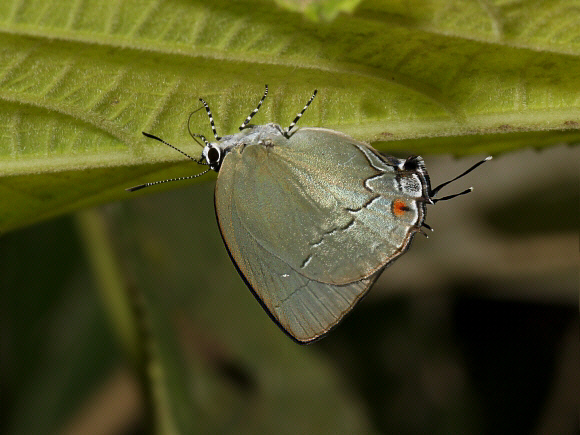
[
  {"x": 251, "y": 115},
  {"x": 210, "y": 120},
  {"x": 142, "y": 186},
  {"x": 287, "y": 131},
  {"x": 199, "y": 161},
  {"x": 169, "y": 145}
]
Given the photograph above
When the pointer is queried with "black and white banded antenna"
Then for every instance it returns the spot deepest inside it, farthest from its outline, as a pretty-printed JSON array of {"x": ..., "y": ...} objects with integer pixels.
[
  {"x": 291, "y": 126},
  {"x": 199, "y": 161}
]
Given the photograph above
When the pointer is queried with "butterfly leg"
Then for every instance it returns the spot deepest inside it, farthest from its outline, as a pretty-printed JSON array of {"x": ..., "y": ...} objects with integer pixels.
[
  {"x": 251, "y": 115},
  {"x": 291, "y": 126},
  {"x": 207, "y": 109}
]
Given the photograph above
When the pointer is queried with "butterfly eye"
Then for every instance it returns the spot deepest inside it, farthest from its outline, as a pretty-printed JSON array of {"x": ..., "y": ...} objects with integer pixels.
[{"x": 213, "y": 156}]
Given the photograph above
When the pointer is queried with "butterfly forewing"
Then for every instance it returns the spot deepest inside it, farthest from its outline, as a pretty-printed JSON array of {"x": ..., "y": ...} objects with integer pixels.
[{"x": 317, "y": 201}]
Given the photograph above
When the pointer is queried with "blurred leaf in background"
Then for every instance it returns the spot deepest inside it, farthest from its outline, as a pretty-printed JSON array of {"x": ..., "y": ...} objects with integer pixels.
[{"x": 130, "y": 318}]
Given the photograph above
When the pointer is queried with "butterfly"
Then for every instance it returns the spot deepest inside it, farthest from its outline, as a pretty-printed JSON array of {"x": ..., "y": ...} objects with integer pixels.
[{"x": 310, "y": 216}]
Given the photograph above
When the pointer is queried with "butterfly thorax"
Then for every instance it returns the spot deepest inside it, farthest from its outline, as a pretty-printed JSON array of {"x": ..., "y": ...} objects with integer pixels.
[{"x": 264, "y": 135}]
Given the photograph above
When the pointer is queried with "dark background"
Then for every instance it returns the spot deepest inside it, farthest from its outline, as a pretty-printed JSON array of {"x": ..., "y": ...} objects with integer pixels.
[{"x": 474, "y": 330}]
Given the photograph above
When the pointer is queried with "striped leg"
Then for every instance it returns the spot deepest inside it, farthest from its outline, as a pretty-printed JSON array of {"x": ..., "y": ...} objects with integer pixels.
[
  {"x": 287, "y": 131},
  {"x": 210, "y": 119},
  {"x": 201, "y": 136},
  {"x": 251, "y": 115}
]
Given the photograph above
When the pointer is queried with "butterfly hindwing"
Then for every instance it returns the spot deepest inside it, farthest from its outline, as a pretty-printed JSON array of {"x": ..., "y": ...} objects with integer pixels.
[{"x": 310, "y": 239}]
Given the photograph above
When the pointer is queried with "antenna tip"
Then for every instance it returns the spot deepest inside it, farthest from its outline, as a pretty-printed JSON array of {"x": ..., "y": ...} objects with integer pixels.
[
  {"x": 470, "y": 189},
  {"x": 134, "y": 188},
  {"x": 488, "y": 158}
]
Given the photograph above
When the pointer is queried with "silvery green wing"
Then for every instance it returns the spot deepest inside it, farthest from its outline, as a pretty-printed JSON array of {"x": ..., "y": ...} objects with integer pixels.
[
  {"x": 305, "y": 309},
  {"x": 312, "y": 220},
  {"x": 331, "y": 207}
]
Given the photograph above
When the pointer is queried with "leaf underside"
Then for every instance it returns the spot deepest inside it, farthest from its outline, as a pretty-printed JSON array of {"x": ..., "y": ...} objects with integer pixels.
[{"x": 80, "y": 81}]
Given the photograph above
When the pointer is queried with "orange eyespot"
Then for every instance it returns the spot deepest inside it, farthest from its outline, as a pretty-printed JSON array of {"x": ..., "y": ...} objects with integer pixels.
[{"x": 400, "y": 207}]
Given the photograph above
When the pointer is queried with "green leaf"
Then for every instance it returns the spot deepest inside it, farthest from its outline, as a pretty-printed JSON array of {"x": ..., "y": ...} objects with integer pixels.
[
  {"x": 319, "y": 9},
  {"x": 79, "y": 81}
]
